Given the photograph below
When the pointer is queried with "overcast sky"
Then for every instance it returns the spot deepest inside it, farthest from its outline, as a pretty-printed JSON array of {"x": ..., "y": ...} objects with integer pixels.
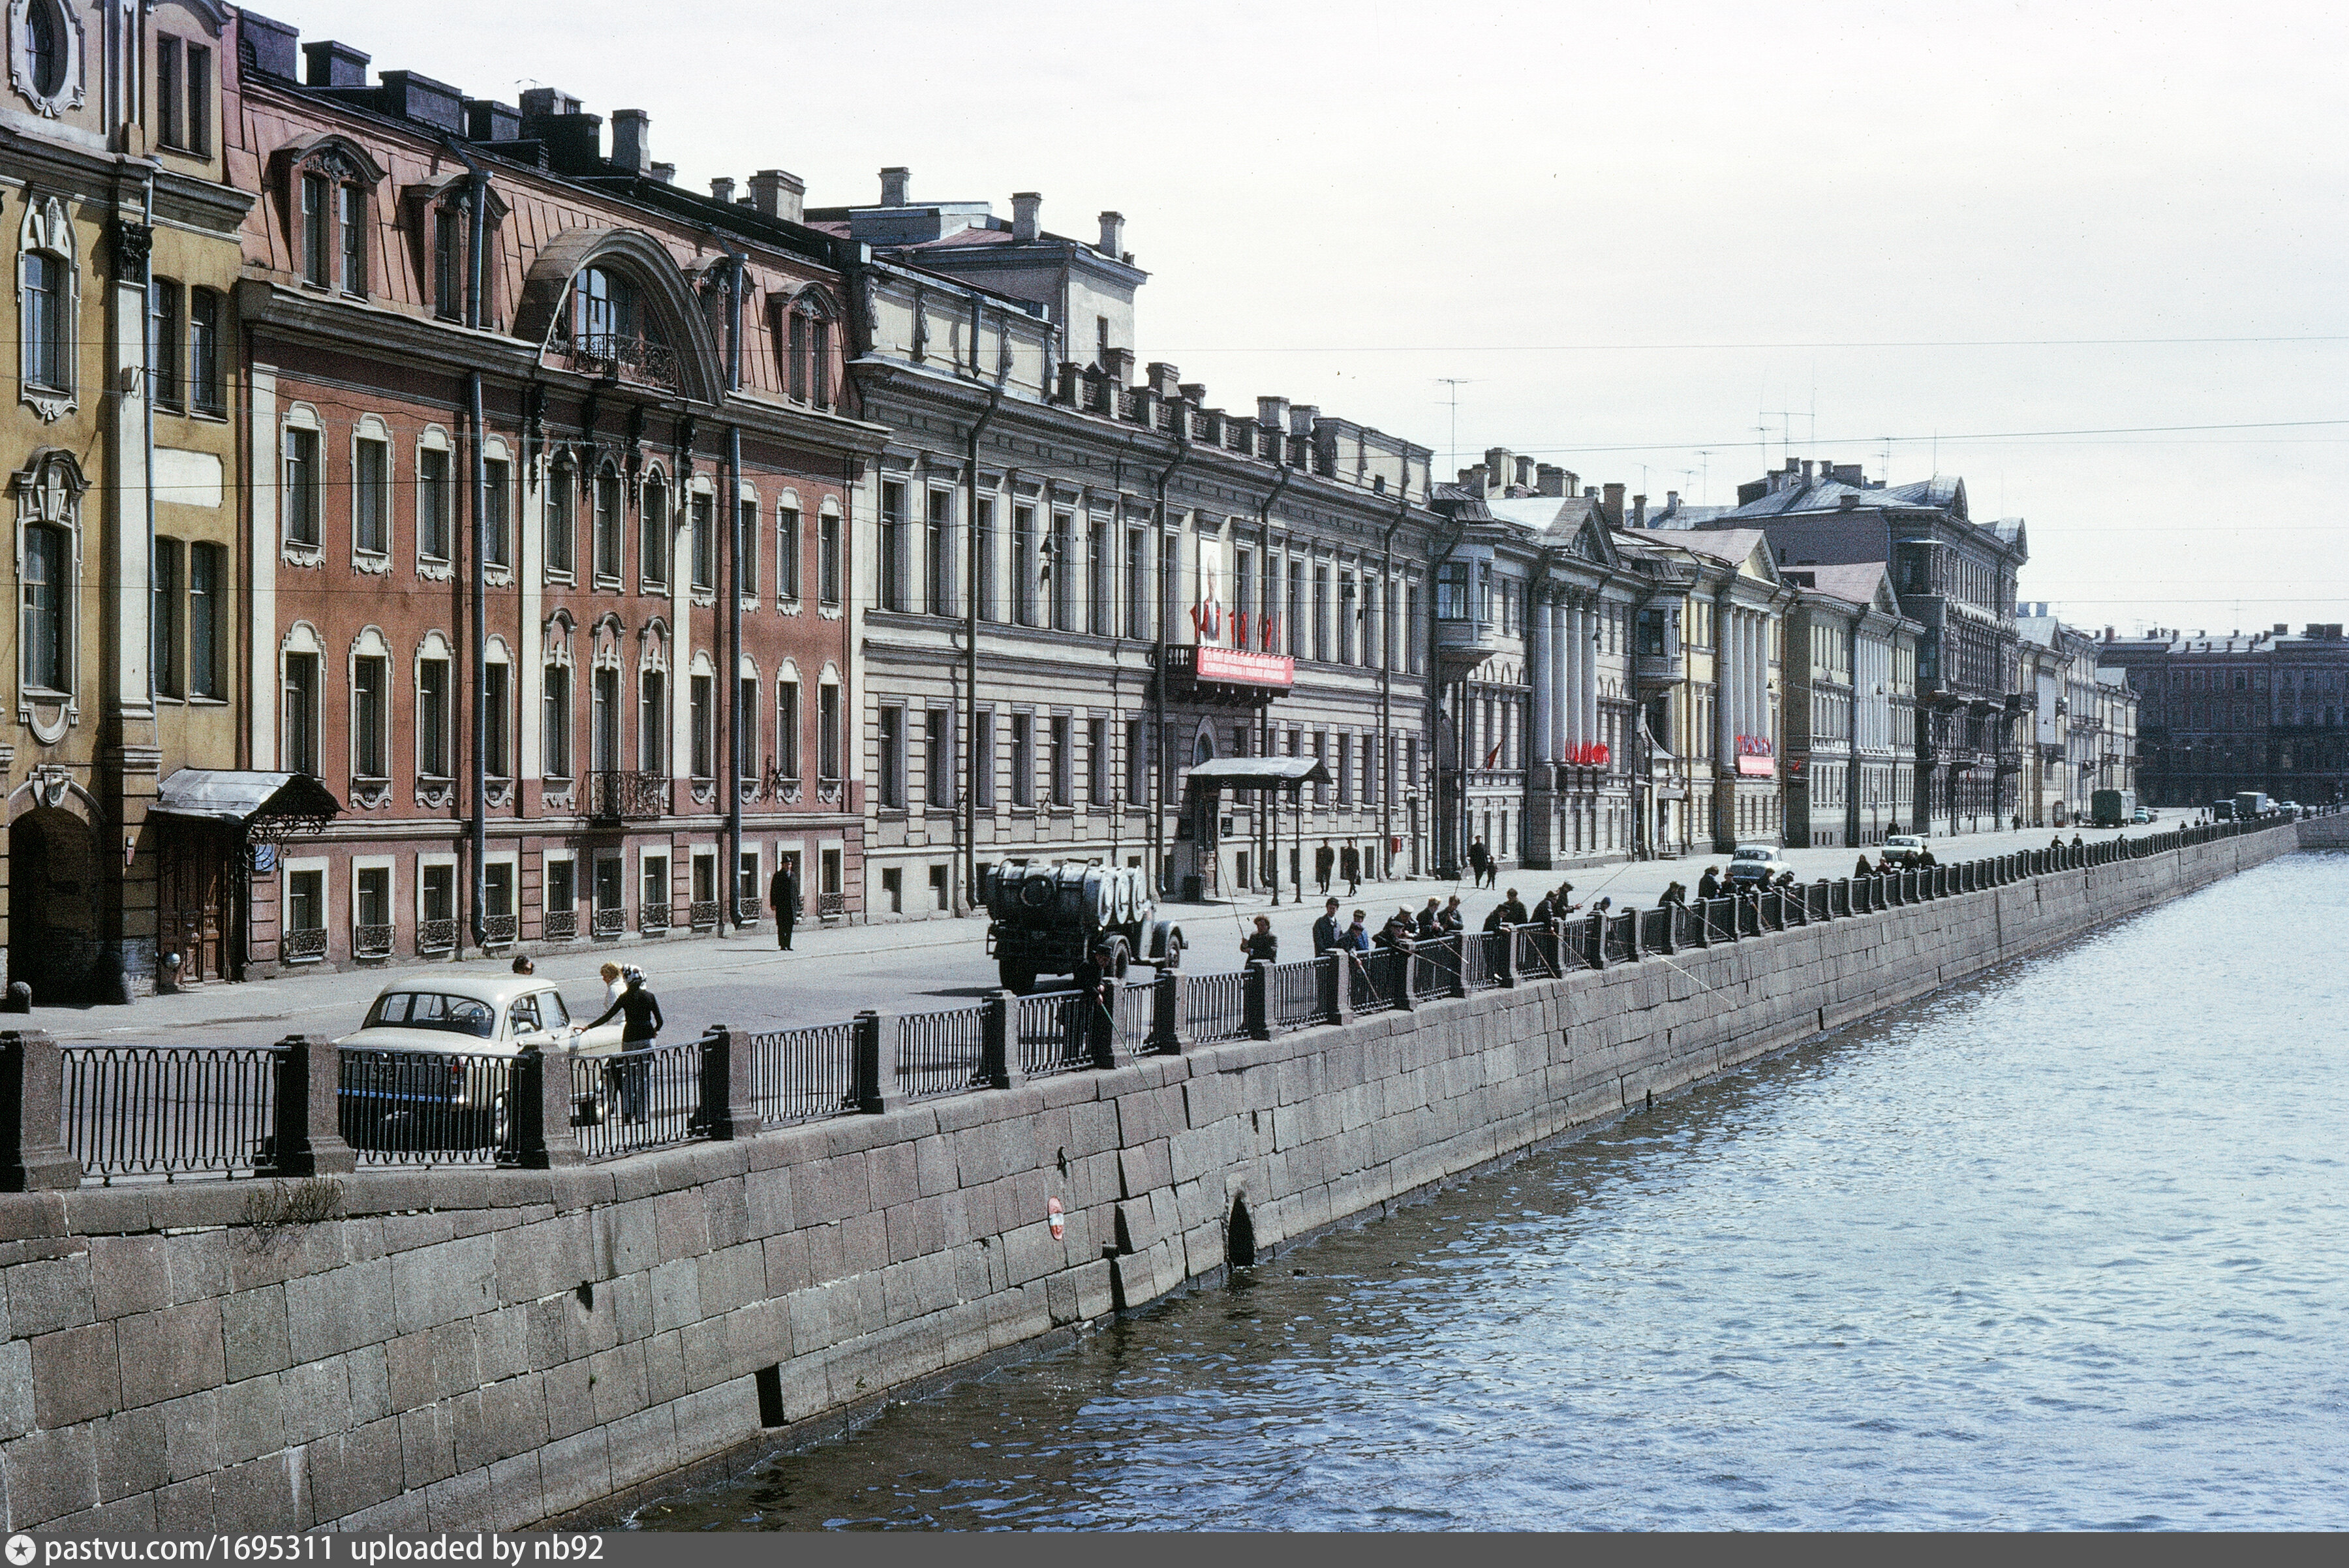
[{"x": 1633, "y": 232}]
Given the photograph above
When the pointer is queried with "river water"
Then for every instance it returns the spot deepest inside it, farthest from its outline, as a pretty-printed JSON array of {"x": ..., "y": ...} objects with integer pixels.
[{"x": 2065, "y": 1247}]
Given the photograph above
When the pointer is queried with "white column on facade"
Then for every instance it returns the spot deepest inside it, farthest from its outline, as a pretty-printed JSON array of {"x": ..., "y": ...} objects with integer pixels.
[
  {"x": 1539, "y": 641},
  {"x": 265, "y": 465},
  {"x": 1589, "y": 643},
  {"x": 1560, "y": 655}
]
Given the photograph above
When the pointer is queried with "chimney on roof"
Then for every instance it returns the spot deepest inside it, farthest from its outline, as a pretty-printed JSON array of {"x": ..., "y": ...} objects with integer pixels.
[
  {"x": 1500, "y": 463},
  {"x": 1165, "y": 379},
  {"x": 1027, "y": 222},
  {"x": 1117, "y": 364},
  {"x": 1525, "y": 473},
  {"x": 632, "y": 140},
  {"x": 1549, "y": 480},
  {"x": 1848, "y": 500},
  {"x": 1272, "y": 414},
  {"x": 1474, "y": 478},
  {"x": 334, "y": 64},
  {"x": 1639, "y": 512},
  {"x": 894, "y": 181},
  {"x": 547, "y": 101},
  {"x": 1613, "y": 505},
  {"x": 778, "y": 194},
  {"x": 664, "y": 172},
  {"x": 1301, "y": 418},
  {"x": 722, "y": 190},
  {"x": 2108, "y": 634},
  {"x": 1112, "y": 235}
]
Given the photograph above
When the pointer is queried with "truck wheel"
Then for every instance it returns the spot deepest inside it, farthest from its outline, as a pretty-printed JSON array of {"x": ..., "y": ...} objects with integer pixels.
[
  {"x": 1120, "y": 957},
  {"x": 1016, "y": 978}
]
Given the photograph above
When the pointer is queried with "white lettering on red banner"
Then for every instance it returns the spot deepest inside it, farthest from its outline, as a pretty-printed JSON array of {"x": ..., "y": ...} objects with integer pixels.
[{"x": 1243, "y": 667}]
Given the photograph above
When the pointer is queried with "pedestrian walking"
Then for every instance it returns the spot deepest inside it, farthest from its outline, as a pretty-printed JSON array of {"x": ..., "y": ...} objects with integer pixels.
[
  {"x": 783, "y": 897},
  {"x": 1260, "y": 946},
  {"x": 1323, "y": 859},
  {"x": 1350, "y": 865},
  {"x": 1480, "y": 861},
  {"x": 640, "y": 1026},
  {"x": 523, "y": 965},
  {"x": 1326, "y": 928}
]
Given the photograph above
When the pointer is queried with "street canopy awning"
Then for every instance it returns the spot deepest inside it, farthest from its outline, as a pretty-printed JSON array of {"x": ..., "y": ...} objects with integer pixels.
[
  {"x": 239, "y": 795},
  {"x": 1257, "y": 773}
]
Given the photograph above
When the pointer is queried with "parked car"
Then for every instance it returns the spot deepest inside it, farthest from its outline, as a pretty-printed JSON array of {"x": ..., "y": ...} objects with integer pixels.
[
  {"x": 1903, "y": 848},
  {"x": 1756, "y": 863},
  {"x": 429, "y": 1066},
  {"x": 2141, "y": 815}
]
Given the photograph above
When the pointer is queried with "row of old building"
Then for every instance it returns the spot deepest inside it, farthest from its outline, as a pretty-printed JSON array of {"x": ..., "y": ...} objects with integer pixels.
[{"x": 377, "y": 601}]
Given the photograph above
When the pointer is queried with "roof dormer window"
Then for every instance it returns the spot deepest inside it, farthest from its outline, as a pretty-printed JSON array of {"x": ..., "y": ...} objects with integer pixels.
[
  {"x": 328, "y": 190},
  {"x": 610, "y": 331}
]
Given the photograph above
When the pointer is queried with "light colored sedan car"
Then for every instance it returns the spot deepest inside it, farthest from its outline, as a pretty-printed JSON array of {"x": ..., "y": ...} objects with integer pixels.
[
  {"x": 1904, "y": 848},
  {"x": 440, "y": 1082},
  {"x": 1756, "y": 863}
]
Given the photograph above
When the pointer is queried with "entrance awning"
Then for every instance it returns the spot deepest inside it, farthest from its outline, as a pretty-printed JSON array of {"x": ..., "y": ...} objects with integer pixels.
[
  {"x": 240, "y": 796},
  {"x": 1257, "y": 773}
]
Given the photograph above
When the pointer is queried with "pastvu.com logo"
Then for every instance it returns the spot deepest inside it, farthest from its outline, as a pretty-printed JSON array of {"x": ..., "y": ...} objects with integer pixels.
[{"x": 21, "y": 1549}]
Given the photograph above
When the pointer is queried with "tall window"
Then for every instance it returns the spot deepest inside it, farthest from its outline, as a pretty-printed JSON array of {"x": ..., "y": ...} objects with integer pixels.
[
  {"x": 1097, "y": 761},
  {"x": 371, "y": 496},
  {"x": 1023, "y": 759},
  {"x": 163, "y": 377},
  {"x": 608, "y": 523},
  {"x": 562, "y": 520},
  {"x": 788, "y": 545},
  {"x": 314, "y": 196},
  {"x": 448, "y": 261},
  {"x": 164, "y": 623},
  {"x": 205, "y": 388},
  {"x": 1097, "y": 578},
  {"x": 705, "y": 761},
  {"x": 982, "y": 523},
  {"x": 1170, "y": 583},
  {"x": 652, "y": 722},
  {"x": 301, "y": 486},
  {"x": 1321, "y": 612},
  {"x": 654, "y": 527},
  {"x": 1137, "y": 584},
  {"x": 1064, "y": 555},
  {"x": 1243, "y": 631},
  {"x": 1027, "y": 565},
  {"x": 47, "y": 551},
  {"x": 603, "y": 720},
  {"x": 168, "y": 109},
  {"x": 556, "y": 708},
  {"x": 496, "y": 482},
  {"x": 937, "y": 545},
  {"x": 937, "y": 759},
  {"x": 302, "y": 712},
  {"x": 435, "y": 499},
  {"x": 787, "y": 729},
  {"x": 827, "y": 561},
  {"x": 207, "y": 579},
  {"x": 350, "y": 217},
  {"x": 433, "y": 718},
  {"x": 982, "y": 757},
  {"x": 1137, "y": 762},
  {"x": 892, "y": 757},
  {"x": 1063, "y": 761},
  {"x": 1346, "y": 607},
  {"x": 497, "y": 754},
  {"x": 1451, "y": 591},
  {"x": 827, "y": 733},
  {"x": 705, "y": 545},
  {"x": 746, "y": 544},
  {"x": 1294, "y": 612},
  {"x": 745, "y": 739},
  {"x": 370, "y": 718},
  {"x": 893, "y": 544}
]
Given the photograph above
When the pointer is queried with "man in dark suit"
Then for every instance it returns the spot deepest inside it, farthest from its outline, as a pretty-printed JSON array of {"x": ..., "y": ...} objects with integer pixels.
[
  {"x": 1326, "y": 929},
  {"x": 783, "y": 897}
]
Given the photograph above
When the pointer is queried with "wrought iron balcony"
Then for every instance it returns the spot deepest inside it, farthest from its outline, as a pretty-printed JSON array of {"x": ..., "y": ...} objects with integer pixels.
[
  {"x": 612, "y": 356},
  {"x": 627, "y": 797},
  {"x": 561, "y": 925}
]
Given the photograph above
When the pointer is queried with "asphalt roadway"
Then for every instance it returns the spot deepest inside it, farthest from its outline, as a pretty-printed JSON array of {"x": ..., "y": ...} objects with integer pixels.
[{"x": 913, "y": 967}]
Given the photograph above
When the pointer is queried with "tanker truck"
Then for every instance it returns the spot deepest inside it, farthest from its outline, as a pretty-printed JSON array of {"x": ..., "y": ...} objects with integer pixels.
[{"x": 1044, "y": 916}]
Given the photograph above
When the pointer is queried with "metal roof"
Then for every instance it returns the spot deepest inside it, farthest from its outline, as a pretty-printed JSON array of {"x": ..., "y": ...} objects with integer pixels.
[
  {"x": 1259, "y": 773},
  {"x": 238, "y": 795}
]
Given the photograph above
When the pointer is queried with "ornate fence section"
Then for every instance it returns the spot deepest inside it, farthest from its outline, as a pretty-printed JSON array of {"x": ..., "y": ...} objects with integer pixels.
[
  {"x": 798, "y": 1073},
  {"x": 1293, "y": 995},
  {"x": 940, "y": 1053},
  {"x": 427, "y": 1107},
  {"x": 635, "y": 1100},
  {"x": 1215, "y": 1006},
  {"x": 166, "y": 1110}
]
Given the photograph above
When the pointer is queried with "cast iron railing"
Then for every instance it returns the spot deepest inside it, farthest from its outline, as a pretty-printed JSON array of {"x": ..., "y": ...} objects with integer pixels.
[
  {"x": 632, "y": 1101},
  {"x": 940, "y": 1053},
  {"x": 800, "y": 1074},
  {"x": 427, "y": 1107},
  {"x": 1293, "y": 995},
  {"x": 169, "y": 1110},
  {"x": 1215, "y": 1006}
]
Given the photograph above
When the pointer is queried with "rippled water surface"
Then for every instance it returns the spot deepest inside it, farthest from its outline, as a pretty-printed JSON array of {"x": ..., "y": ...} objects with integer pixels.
[{"x": 2061, "y": 1248}]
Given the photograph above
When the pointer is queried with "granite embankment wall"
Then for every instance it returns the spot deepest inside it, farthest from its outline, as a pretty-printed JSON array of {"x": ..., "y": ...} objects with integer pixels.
[{"x": 467, "y": 1350}]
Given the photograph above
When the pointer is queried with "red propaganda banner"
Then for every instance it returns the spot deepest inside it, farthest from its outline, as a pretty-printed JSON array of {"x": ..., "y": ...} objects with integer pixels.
[
  {"x": 1241, "y": 668},
  {"x": 1593, "y": 755},
  {"x": 1757, "y": 758}
]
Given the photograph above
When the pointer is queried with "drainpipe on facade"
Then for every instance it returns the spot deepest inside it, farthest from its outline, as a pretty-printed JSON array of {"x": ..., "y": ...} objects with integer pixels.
[
  {"x": 968, "y": 896},
  {"x": 1386, "y": 675},
  {"x": 477, "y": 189},
  {"x": 1445, "y": 861},
  {"x": 1270, "y": 827},
  {"x": 1159, "y": 775},
  {"x": 146, "y": 418},
  {"x": 734, "y": 593}
]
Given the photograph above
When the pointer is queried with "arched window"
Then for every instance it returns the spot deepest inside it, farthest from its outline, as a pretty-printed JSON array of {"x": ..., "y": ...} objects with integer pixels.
[
  {"x": 610, "y": 330},
  {"x": 608, "y": 523},
  {"x": 328, "y": 194},
  {"x": 562, "y": 519},
  {"x": 653, "y": 520},
  {"x": 44, "y": 47},
  {"x": 47, "y": 304},
  {"x": 802, "y": 329}
]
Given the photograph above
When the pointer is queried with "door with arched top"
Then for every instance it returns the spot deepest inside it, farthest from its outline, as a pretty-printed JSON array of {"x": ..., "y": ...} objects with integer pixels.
[{"x": 54, "y": 876}]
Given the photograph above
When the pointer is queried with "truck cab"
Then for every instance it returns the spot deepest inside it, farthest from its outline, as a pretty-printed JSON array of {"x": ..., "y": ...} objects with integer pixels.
[{"x": 1044, "y": 917}]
